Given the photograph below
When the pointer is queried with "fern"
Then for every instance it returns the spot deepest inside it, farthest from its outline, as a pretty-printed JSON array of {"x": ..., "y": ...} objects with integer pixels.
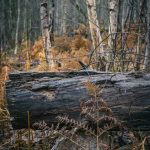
[{"x": 97, "y": 123}]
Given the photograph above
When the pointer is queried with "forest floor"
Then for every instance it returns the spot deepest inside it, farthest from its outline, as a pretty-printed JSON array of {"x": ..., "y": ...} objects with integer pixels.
[
  {"x": 20, "y": 138},
  {"x": 68, "y": 53}
]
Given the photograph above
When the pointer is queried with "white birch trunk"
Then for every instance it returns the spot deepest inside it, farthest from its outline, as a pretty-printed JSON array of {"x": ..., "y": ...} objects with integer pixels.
[
  {"x": 147, "y": 51},
  {"x": 95, "y": 29},
  {"x": 113, "y": 20},
  {"x": 113, "y": 17},
  {"x": 46, "y": 27},
  {"x": 17, "y": 28}
]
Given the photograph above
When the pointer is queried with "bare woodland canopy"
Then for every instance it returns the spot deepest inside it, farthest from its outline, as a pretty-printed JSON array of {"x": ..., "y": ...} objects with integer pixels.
[{"x": 117, "y": 29}]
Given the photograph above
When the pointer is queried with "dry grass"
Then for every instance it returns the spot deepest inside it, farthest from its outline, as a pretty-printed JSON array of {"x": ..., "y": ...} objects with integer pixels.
[
  {"x": 68, "y": 51},
  {"x": 3, "y": 77},
  {"x": 66, "y": 54},
  {"x": 4, "y": 114}
]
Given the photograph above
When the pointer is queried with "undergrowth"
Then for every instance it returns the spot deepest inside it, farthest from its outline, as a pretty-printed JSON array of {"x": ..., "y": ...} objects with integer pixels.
[
  {"x": 68, "y": 51},
  {"x": 4, "y": 113}
]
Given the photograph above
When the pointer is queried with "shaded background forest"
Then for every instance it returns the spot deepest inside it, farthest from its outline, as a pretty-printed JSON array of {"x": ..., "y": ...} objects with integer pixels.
[{"x": 72, "y": 33}]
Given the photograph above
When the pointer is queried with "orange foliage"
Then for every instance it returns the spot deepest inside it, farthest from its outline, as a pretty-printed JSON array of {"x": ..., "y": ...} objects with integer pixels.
[
  {"x": 62, "y": 44},
  {"x": 66, "y": 53},
  {"x": 3, "y": 77},
  {"x": 38, "y": 50},
  {"x": 79, "y": 49}
]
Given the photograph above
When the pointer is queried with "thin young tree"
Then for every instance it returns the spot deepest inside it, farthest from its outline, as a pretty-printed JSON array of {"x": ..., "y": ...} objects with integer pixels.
[
  {"x": 46, "y": 26},
  {"x": 95, "y": 30},
  {"x": 147, "y": 51},
  {"x": 17, "y": 28},
  {"x": 113, "y": 25},
  {"x": 142, "y": 8},
  {"x": 52, "y": 16}
]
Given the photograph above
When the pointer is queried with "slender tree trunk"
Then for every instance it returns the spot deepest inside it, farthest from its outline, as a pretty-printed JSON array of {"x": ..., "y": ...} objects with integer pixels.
[
  {"x": 2, "y": 27},
  {"x": 95, "y": 31},
  {"x": 124, "y": 19},
  {"x": 17, "y": 29},
  {"x": 52, "y": 16},
  {"x": 25, "y": 28},
  {"x": 113, "y": 20},
  {"x": 46, "y": 25},
  {"x": 0, "y": 50},
  {"x": 141, "y": 9},
  {"x": 64, "y": 21},
  {"x": 147, "y": 51},
  {"x": 56, "y": 18},
  {"x": 137, "y": 60},
  {"x": 25, "y": 18},
  {"x": 59, "y": 17},
  {"x": 10, "y": 15},
  {"x": 28, "y": 29}
]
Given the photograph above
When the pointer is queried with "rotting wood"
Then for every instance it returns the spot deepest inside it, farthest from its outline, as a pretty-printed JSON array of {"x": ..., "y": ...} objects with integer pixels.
[{"x": 127, "y": 94}]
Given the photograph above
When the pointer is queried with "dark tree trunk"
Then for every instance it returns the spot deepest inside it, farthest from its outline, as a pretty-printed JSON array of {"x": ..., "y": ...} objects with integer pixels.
[{"x": 47, "y": 95}]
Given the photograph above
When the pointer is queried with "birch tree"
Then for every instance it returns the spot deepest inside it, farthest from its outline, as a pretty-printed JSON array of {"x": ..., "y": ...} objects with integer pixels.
[
  {"x": 17, "y": 28},
  {"x": 46, "y": 26},
  {"x": 113, "y": 24},
  {"x": 141, "y": 11},
  {"x": 147, "y": 51},
  {"x": 95, "y": 29}
]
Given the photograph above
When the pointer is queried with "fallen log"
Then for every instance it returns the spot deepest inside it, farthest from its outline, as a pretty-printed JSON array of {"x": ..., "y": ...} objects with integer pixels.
[{"x": 47, "y": 95}]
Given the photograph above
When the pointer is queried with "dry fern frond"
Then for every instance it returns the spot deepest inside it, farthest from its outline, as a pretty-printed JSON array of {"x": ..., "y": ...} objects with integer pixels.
[
  {"x": 92, "y": 89},
  {"x": 78, "y": 43},
  {"x": 4, "y": 113},
  {"x": 97, "y": 122},
  {"x": 62, "y": 44}
]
